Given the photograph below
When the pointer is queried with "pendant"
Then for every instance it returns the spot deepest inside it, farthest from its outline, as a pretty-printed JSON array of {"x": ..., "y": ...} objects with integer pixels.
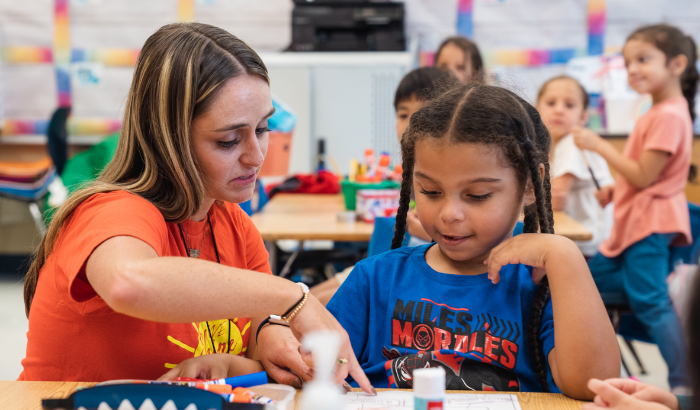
[{"x": 194, "y": 253}]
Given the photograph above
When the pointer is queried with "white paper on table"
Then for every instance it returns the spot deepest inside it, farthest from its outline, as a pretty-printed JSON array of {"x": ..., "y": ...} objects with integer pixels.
[{"x": 403, "y": 400}]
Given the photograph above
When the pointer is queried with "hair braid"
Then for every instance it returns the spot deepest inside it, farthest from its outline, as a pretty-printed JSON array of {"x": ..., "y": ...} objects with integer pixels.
[
  {"x": 548, "y": 197},
  {"x": 530, "y": 224},
  {"x": 533, "y": 334},
  {"x": 408, "y": 145}
]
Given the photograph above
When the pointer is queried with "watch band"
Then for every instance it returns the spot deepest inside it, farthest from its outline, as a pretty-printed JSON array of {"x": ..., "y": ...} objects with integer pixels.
[{"x": 270, "y": 320}]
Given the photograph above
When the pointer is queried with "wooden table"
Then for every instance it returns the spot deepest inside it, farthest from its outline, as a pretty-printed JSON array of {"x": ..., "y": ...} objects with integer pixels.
[
  {"x": 28, "y": 395},
  {"x": 308, "y": 217}
]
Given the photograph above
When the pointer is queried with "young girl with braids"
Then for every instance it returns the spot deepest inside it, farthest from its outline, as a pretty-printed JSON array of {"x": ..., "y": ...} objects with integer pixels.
[
  {"x": 477, "y": 301},
  {"x": 651, "y": 210}
]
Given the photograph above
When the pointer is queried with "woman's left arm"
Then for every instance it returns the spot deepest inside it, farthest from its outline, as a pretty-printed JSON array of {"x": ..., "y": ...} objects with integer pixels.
[{"x": 586, "y": 346}]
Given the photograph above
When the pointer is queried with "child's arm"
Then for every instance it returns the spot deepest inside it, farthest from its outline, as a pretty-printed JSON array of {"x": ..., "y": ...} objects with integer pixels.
[
  {"x": 560, "y": 190},
  {"x": 585, "y": 343},
  {"x": 640, "y": 174}
]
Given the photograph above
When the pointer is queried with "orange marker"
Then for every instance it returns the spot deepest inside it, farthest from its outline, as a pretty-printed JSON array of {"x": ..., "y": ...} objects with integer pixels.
[{"x": 216, "y": 388}]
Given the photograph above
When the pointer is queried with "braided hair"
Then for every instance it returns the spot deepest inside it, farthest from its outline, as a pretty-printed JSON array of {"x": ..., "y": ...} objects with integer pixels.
[{"x": 493, "y": 116}]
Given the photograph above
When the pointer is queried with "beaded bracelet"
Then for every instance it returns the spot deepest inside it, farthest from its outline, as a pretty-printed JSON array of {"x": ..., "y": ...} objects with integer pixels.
[{"x": 296, "y": 310}]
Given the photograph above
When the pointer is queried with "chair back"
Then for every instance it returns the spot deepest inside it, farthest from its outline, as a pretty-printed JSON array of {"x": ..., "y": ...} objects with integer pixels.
[
  {"x": 691, "y": 253},
  {"x": 57, "y": 138}
]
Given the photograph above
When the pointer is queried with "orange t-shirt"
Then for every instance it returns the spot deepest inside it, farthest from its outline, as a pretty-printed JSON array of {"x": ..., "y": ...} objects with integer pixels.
[
  {"x": 74, "y": 335},
  {"x": 662, "y": 206}
]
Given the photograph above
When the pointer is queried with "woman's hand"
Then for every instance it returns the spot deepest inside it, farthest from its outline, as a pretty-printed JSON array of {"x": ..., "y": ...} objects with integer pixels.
[
  {"x": 604, "y": 195},
  {"x": 313, "y": 317},
  {"x": 415, "y": 228},
  {"x": 586, "y": 139},
  {"x": 627, "y": 394},
  {"x": 529, "y": 249},
  {"x": 280, "y": 355},
  {"x": 213, "y": 366}
]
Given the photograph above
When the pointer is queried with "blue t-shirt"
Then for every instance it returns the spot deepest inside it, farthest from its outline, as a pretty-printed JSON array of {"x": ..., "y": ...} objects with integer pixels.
[{"x": 402, "y": 315}]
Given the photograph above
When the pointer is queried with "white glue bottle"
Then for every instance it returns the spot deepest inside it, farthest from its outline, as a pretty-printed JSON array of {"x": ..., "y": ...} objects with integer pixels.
[
  {"x": 322, "y": 393},
  {"x": 429, "y": 388}
]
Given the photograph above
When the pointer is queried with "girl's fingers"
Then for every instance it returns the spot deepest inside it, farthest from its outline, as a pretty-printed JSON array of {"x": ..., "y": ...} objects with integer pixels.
[
  {"x": 628, "y": 386},
  {"x": 606, "y": 392},
  {"x": 599, "y": 402}
]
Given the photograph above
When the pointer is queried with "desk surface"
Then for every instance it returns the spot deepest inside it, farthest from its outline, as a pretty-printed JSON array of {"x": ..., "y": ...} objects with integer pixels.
[
  {"x": 309, "y": 217},
  {"x": 28, "y": 395}
]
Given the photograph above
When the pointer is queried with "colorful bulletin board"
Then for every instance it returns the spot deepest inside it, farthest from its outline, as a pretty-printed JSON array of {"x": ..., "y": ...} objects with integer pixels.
[
  {"x": 82, "y": 53},
  {"x": 527, "y": 41}
]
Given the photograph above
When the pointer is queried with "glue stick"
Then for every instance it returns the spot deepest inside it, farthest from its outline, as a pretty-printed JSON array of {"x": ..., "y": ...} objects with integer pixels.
[{"x": 429, "y": 388}]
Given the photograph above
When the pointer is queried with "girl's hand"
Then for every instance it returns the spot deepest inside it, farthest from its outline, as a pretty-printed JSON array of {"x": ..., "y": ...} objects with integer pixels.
[
  {"x": 608, "y": 396},
  {"x": 645, "y": 392},
  {"x": 280, "y": 355},
  {"x": 213, "y": 366},
  {"x": 415, "y": 228},
  {"x": 312, "y": 317},
  {"x": 586, "y": 139},
  {"x": 531, "y": 249},
  {"x": 605, "y": 195}
]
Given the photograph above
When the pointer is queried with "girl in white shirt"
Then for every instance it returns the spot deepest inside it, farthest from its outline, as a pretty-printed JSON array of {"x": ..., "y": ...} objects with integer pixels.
[{"x": 563, "y": 104}]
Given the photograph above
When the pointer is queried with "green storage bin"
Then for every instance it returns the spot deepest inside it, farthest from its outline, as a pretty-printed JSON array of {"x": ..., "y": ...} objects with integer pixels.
[{"x": 350, "y": 190}]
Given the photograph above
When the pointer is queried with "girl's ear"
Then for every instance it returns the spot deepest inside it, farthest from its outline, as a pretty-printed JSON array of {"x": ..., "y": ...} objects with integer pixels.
[
  {"x": 678, "y": 64},
  {"x": 530, "y": 198},
  {"x": 584, "y": 118}
]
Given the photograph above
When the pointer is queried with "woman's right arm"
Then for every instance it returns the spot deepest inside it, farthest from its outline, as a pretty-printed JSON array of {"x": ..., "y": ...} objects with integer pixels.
[{"x": 133, "y": 280}]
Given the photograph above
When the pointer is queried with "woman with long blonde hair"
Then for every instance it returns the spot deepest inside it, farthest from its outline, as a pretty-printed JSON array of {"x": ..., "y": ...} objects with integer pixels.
[{"x": 155, "y": 263}]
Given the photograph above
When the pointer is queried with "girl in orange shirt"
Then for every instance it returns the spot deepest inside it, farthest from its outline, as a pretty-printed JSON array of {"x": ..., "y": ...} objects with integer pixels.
[{"x": 651, "y": 211}]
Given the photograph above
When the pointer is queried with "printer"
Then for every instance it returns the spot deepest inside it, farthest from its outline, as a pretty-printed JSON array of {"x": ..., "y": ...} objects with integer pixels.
[{"x": 333, "y": 25}]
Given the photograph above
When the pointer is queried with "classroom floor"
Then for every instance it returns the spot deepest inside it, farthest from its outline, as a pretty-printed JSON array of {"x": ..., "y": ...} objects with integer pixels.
[{"x": 13, "y": 329}]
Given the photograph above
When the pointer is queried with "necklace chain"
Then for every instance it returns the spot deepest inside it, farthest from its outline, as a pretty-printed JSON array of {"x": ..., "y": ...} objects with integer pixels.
[
  {"x": 193, "y": 252},
  {"x": 190, "y": 253}
]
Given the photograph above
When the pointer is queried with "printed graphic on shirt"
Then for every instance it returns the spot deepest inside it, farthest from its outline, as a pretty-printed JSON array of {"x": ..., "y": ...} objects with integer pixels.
[
  {"x": 235, "y": 330},
  {"x": 477, "y": 350},
  {"x": 227, "y": 336},
  {"x": 460, "y": 373}
]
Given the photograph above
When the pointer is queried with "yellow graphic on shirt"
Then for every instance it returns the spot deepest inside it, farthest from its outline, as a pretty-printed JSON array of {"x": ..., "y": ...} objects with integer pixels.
[{"x": 220, "y": 329}]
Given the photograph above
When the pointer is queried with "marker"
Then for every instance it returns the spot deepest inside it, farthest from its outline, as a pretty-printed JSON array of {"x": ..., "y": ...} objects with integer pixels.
[
  {"x": 243, "y": 395},
  {"x": 585, "y": 161},
  {"x": 247, "y": 380}
]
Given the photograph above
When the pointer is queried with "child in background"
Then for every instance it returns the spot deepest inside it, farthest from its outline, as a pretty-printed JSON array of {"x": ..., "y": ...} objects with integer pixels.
[
  {"x": 460, "y": 57},
  {"x": 651, "y": 210},
  {"x": 413, "y": 91},
  {"x": 476, "y": 302},
  {"x": 563, "y": 105}
]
